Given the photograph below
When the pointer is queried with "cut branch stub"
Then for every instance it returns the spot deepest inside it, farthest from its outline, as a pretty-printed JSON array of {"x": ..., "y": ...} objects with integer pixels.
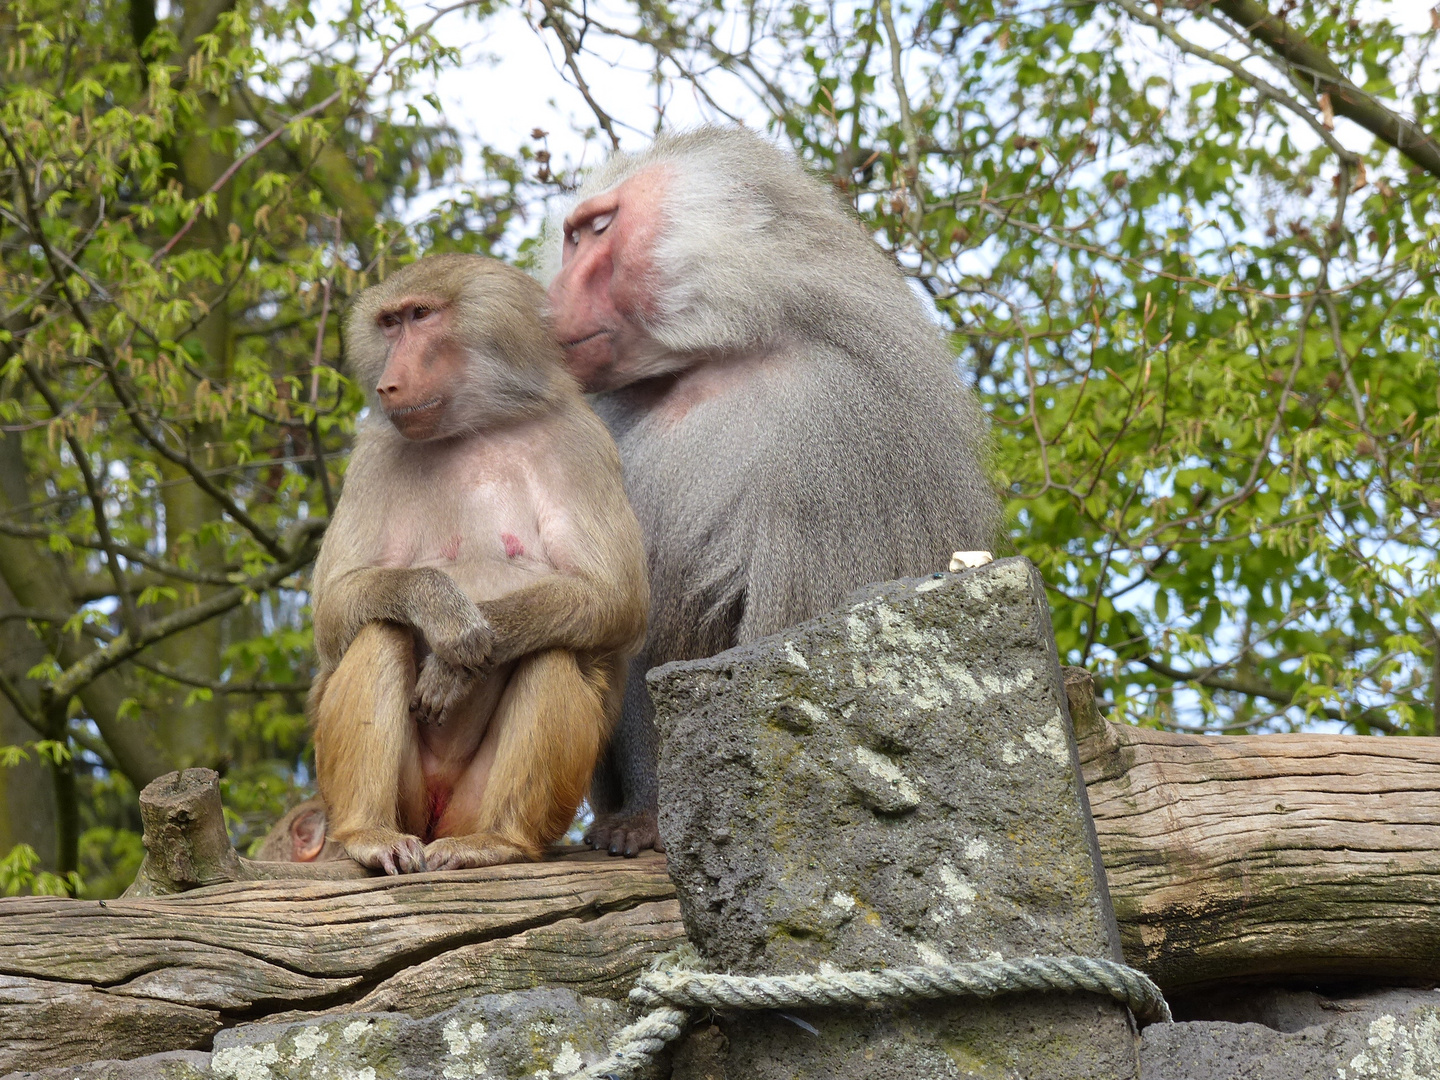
[
  {"x": 186, "y": 844},
  {"x": 1084, "y": 711}
]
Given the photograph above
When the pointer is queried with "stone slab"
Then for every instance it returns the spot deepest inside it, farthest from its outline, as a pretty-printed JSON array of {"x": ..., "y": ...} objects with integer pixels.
[
  {"x": 892, "y": 783},
  {"x": 171, "y": 1065},
  {"x": 547, "y": 1033},
  {"x": 1382, "y": 1035}
]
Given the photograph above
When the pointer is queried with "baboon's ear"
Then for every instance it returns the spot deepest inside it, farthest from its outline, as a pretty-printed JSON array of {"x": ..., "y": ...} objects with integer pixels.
[{"x": 307, "y": 834}]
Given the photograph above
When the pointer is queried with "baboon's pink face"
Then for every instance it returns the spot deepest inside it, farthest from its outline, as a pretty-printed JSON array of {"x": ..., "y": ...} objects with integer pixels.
[
  {"x": 423, "y": 367},
  {"x": 605, "y": 290}
]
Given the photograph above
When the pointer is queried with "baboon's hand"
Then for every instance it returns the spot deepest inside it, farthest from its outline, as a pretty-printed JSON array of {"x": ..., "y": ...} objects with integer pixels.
[
  {"x": 440, "y": 687},
  {"x": 453, "y": 626},
  {"x": 387, "y": 850},
  {"x": 468, "y": 649}
]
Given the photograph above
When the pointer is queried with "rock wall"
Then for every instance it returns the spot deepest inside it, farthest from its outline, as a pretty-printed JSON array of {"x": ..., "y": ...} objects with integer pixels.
[{"x": 894, "y": 783}]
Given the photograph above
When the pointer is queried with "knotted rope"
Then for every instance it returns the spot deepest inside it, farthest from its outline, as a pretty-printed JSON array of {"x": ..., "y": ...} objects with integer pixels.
[{"x": 669, "y": 994}]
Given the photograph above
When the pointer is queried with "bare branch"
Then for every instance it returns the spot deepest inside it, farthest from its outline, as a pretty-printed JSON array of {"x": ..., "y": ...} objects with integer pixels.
[
  {"x": 131, "y": 554},
  {"x": 907, "y": 119},
  {"x": 165, "y": 671},
  {"x": 1259, "y": 688},
  {"x": 1265, "y": 88},
  {"x": 557, "y": 23},
  {"x": 128, "y": 612},
  {"x": 22, "y": 707},
  {"x": 316, "y": 446},
  {"x": 1314, "y": 71}
]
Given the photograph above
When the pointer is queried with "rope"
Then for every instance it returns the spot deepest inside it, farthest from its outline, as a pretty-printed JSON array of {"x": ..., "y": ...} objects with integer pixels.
[{"x": 670, "y": 992}]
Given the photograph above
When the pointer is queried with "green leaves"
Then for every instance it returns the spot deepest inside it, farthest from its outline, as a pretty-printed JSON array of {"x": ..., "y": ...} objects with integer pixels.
[
  {"x": 18, "y": 874},
  {"x": 1206, "y": 364},
  {"x": 178, "y": 241}
]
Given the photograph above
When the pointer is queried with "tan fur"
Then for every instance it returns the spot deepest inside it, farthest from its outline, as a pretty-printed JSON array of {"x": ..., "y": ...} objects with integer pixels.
[
  {"x": 370, "y": 778},
  {"x": 511, "y": 660},
  {"x": 551, "y": 725}
]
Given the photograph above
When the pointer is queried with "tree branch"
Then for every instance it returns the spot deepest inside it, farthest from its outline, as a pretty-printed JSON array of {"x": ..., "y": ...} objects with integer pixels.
[
  {"x": 317, "y": 447},
  {"x": 88, "y": 590},
  {"x": 1265, "y": 88},
  {"x": 907, "y": 122},
  {"x": 1325, "y": 77},
  {"x": 22, "y": 707},
  {"x": 1259, "y": 688},
  {"x": 571, "y": 48},
  {"x": 126, "y": 645},
  {"x": 165, "y": 671},
  {"x": 128, "y": 613}
]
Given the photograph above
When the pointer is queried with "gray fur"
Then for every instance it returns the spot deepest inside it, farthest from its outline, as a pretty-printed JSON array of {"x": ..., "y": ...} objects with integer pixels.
[{"x": 858, "y": 457}]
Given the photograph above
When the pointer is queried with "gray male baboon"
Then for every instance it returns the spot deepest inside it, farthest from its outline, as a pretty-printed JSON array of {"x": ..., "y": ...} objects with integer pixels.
[{"x": 791, "y": 423}]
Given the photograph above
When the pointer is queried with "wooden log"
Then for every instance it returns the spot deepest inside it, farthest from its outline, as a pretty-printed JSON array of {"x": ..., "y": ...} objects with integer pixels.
[
  {"x": 180, "y": 967},
  {"x": 599, "y": 957},
  {"x": 1228, "y": 858},
  {"x": 1245, "y": 857}
]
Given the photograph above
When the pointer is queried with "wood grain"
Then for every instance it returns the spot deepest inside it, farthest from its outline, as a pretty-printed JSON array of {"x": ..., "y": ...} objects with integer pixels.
[
  {"x": 1241, "y": 857},
  {"x": 600, "y": 958},
  {"x": 191, "y": 963}
]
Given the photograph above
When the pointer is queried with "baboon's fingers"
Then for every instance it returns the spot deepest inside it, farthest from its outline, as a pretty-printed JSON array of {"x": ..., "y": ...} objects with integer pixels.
[
  {"x": 476, "y": 849},
  {"x": 388, "y": 850},
  {"x": 440, "y": 687}
]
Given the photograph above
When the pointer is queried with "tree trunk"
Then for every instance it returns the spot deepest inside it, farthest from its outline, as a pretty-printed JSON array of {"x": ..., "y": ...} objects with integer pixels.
[
  {"x": 195, "y": 730},
  {"x": 36, "y": 581},
  {"x": 27, "y": 795}
]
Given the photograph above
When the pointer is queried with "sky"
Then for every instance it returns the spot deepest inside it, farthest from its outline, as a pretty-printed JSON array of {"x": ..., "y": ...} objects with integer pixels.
[{"x": 510, "y": 82}]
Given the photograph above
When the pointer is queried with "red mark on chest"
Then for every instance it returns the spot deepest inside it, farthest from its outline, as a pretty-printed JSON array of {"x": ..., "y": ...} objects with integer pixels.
[
  {"x": 513, "y": 547},
  {"x": 451, "y": 550}
]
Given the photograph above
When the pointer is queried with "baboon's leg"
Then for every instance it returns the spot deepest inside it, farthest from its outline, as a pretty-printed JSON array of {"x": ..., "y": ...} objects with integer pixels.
[
  {"x": 532, "y": 769},
  {"x": 367, "y": 754}
]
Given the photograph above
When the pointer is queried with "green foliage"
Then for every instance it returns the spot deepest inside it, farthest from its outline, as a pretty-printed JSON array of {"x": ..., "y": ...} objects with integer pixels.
[
  {"x": 18, "y": 874},
  {"x": 110, "y": 857}
]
